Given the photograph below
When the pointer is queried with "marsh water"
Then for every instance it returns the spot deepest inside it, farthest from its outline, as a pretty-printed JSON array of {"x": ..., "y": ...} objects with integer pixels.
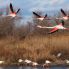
[{"x": 28, "y": 67}]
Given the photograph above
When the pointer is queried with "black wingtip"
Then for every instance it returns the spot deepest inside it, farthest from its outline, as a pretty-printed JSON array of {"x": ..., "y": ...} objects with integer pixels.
[
  {"x": 36, "y": 14},
  {"x": 63, "y": 12},
  {"x": 33, "y": 13},
  {"x": 11, "y": 8},
  {"x": 18, "y": 10},
  {"x": 61, "y": 9},
  {"x": 10, "y": 5},
  {"x": 45, "y": 16}
]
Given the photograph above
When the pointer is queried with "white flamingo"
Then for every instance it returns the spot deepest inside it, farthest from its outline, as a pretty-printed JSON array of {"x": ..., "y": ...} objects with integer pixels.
[
  {"x": 67, "y": 61},
  {"x": 28, "y": 61},
  {"x": 59, "y": 54},
  {"x": 20, "y": 60},
  {"x": 35, "y": 63},
  {"x": 47, "y": 62},
  {"x": 1, "y": 62}
]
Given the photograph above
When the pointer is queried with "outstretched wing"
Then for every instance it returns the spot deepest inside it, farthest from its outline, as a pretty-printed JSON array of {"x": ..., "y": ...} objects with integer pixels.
[
  {"x": 63, "y": 12},
  {"x": 11, "y": 8},
  {"x": 36, "y": 14},
  {"x": 53, "y": 30},
  {"x": 18, "y": 10}
]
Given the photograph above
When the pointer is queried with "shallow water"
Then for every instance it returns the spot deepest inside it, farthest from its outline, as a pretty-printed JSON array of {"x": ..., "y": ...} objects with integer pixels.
[{"x": 28, "y": 67}]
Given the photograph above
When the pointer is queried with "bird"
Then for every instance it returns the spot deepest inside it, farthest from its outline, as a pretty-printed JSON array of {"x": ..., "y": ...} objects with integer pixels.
[
  {"x": 67, "y": 61},
  {"x": 65, "y": 16},
  {"x": 55, "y": 28},
  {"x": 27, "y": 61},
  {"x": 59, "y": 54},
  {"x": 47, "y": 62},
  {"x": 41, "y": 18},
  {"x": 13, "y": 13},
  {"x": 20, "y": 60},
  {"x": 1, "y": 62},
  {"x": 35, "y": 63}
]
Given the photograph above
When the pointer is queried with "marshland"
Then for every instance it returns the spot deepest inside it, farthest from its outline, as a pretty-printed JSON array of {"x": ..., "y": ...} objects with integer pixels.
[
  {"x": 23, "y": 43},
  {"x": 32, "y": 43}
]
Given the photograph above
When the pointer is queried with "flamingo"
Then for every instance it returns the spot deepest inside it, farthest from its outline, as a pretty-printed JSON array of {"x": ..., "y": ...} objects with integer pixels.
[
  {"x": 1, "y": 62},
  {"x": 35, "y": 63},
  {"x": 13, "y": 13},
  {"x": 55, "y": 28},
  {"x": 28, "y": 61},
  {"x": 47, "y": 62},
  {"x": 59, "y": 54},
  {"x": 67, "y": 61},
  {"x": 41, "y": 18},
  {"x": 65, "y": 17},
  {"x": 20, "y": 60}
]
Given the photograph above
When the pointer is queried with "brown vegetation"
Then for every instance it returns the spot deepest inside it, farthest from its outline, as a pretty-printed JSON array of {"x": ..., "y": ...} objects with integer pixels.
[{"x": 35, "y": 48}]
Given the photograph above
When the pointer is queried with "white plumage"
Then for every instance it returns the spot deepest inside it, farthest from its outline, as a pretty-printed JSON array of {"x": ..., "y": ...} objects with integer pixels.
[
  {"x": 34, "y": 63},
  {"x": 27, "y": 61},
  {"x": 47, "y": 62},
  {"x": 67, "y": 61},
  {"x": 59, "y": 54},
  {"x": 20, "y": 60},
  {"x": 1, "y": 62}
]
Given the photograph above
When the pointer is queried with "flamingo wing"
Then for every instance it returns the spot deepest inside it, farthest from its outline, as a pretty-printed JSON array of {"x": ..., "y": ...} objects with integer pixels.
[
  {"x": 11, "y": 8},
  {"x": 45, "y": 16},
  {"x": 63, "y": 12},
  {"x": 36, "y": 14},
  {"x": 18, "y": 10},
  {"x": 53, "y": 30}
]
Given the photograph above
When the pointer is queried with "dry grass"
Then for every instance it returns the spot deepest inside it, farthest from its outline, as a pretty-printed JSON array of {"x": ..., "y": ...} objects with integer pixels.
[{"x": 35, "y": 48}]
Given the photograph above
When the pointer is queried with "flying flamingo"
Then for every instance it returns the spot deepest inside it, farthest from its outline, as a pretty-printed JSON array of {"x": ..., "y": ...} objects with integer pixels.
[
  {"x": 41, "y": 17},
  {"x": 55, "y": 28},
  {"x": 65, "y": 16},
  {"x": 13, "y": 13}
]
